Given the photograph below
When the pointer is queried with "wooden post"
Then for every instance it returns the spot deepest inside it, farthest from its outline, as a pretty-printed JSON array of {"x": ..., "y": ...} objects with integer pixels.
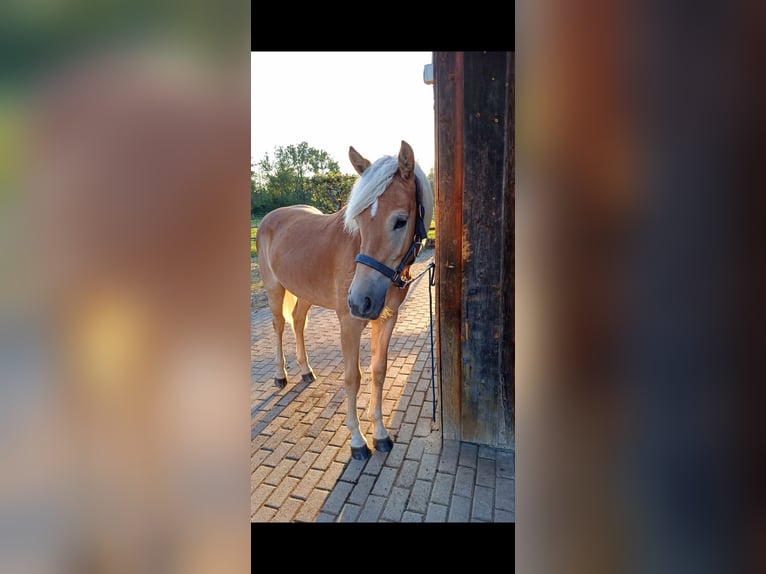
[
  {"x": 473, "y": 94},
  {"x": 483, "y": 244},
  {"x": 448, "y": 106}
]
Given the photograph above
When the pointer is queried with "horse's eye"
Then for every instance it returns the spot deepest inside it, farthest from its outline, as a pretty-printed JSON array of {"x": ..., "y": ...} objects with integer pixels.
[{"x": 400, "y": 223}]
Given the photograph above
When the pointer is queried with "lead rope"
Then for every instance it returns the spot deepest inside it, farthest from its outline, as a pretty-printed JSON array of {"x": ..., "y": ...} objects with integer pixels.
[{"x": 431, "y": 282}]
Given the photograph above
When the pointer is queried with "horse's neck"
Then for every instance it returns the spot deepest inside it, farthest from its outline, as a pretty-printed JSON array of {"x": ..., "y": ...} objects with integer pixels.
[{"x": 339, "y": 221}]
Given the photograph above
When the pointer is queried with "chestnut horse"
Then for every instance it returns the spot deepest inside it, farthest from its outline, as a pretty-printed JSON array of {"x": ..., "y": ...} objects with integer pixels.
[{"x": 355, "y": 261}]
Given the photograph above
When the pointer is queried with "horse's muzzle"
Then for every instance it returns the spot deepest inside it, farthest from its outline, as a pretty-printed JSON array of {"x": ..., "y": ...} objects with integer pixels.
[{"x": 368, "y": 302}]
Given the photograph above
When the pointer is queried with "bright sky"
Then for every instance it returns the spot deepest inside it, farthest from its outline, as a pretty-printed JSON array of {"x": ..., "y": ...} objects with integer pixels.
[{"x": 333, "y": 100}]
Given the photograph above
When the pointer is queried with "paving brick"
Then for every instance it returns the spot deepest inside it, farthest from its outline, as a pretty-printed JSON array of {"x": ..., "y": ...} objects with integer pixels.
[
  {"x": 307, "y": 484},
  {"x": 340, "y": 438},
  {"x": 257, "y": 477},
  {"x": 407, "y": 473},
  {"x": 505, "y": 497},
  {"x": 372, "y": 509},
  {"x": 278, "y": 474},
  {"x": 464, "y": 481},
  {"x": 412, "y": 414},
  {"x": 303, "y": 465},
  {"x": 375, "y": 462},
  {"x": 259, "y": 496},
  {"x": 442, "y": 489},
  {"x": 258, "y": 458},
  {"x": 460, "y": 509},
  {"x": 278, "y": 455},
  {"x": 298, "y": 434},
  {"x": 396, "y": 456},
  {"x": 436, "y": 513},
  {"x": 405, "y": 432},
  {"x": 311, "y": 506},
  {"x": 325, "y": 458},
  {"x": 409, "y": 516},
  {"x": 449, "y": 456},
  {"x": 288, "y": 509},
  {"x": 468, "y": 454},
  {"x": 395, "y": 505},
  {"x": 485, "y": 472},
  {"x": 401, "y": 405},
  {"x": 276, "y": 440},
  {"x": 281, "y": 492},
  {"x": 424, "y": 427},
  {"x": 330, "y": 476},
  {"x": 505, "y": 516},
  {"x": 483, "y": 503},
  {"x": 385, "y": 481},
  {"x": 428, "y": 466},
  {"x": 321, "y": 441},
  {"x": 353, "y": 470},
  {"x": 263, "y": 514},
  {"x": 415, "y": 449},
  {"x": 337, "y": 497},
  {"x": 419, "y": 496},
  {"x": 506, "y": 463},
  {"x": 349, "y": 513},
  {"x": 361, "y": 489}
]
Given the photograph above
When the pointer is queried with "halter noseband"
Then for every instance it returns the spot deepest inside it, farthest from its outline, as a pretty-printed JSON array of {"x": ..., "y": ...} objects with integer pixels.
[{"x": 395, "y": 275}]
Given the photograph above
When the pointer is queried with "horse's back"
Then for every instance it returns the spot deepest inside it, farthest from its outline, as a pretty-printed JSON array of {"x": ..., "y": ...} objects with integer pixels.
[
  {"x": 280, "y": 221},
  {"x": 275, "y": 218}
]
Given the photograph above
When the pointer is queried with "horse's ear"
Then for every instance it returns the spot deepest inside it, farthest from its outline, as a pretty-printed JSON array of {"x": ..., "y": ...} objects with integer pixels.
[
  {"x": 406, "y": 160},
  {"x": 360, "y": 164}
]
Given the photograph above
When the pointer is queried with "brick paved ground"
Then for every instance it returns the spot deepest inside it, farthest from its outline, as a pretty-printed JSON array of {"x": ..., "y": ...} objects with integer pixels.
[{"x": 301, "y": 466}]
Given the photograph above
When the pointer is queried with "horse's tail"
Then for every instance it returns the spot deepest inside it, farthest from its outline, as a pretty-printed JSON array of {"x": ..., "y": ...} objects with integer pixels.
[{"x": 288, "y": 304}]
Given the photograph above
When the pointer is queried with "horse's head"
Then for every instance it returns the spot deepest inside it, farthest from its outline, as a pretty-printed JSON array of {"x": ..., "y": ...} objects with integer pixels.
[{"x": 388, "y": 224}]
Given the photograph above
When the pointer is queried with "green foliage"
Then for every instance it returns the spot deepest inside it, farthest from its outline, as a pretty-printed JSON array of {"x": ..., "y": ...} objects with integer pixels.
[
  {"x": 329, "y": 192},
  {"x": 297, "y": 175}
]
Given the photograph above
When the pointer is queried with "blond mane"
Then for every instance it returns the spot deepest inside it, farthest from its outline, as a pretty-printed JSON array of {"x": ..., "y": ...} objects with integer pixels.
[{"x": 373, "y": 182}]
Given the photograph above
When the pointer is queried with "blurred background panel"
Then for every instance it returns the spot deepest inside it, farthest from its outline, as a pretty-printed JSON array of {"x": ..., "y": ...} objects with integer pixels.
[
  {"x": 640, "y": 281},
  {"x": 124, "y": 286}
]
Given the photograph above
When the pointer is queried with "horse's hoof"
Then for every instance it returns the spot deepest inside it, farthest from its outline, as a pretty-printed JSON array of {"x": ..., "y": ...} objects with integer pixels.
[
  {"x": 308, "y": 378},
  {"x": 281, "y": 383},
  {"x": 383, "y": 445},
  {"x": 360, "y": 452}
]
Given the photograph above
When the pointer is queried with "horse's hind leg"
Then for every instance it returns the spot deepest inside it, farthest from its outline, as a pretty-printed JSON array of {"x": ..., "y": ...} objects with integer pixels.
[
  {"x": 350, "y": 336},
  {"x": 379, "y": 339},
  {"x": 300, "y": 313},
  {"x": 276, "y": 295}
]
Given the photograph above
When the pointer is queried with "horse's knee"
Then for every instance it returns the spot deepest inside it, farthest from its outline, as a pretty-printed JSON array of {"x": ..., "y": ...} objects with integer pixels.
[
  {"x": 353, "y": 378},
  {"x": 378, "y": 373}
]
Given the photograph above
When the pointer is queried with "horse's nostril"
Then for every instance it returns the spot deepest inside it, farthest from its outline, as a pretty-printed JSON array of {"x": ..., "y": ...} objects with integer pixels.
[{"x": 367, "y": 305}]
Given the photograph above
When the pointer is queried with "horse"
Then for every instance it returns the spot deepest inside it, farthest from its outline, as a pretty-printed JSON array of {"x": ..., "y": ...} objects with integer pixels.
[{"x": 356, "y": 262}]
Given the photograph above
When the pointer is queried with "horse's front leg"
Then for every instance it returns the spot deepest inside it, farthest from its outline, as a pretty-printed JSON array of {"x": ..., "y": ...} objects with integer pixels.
[
  {"x": 350, "y": 335},
  {"x": 380, "y": 338}
]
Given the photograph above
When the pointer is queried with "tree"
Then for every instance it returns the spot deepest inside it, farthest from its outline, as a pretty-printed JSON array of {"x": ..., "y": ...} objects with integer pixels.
[
  {"x": 283, "y": 181},
  {"x": 329, "y": 192}
]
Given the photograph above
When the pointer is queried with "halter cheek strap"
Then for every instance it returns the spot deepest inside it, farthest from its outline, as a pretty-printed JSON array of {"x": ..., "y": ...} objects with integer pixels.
[{"x": 395, "y": 275}]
